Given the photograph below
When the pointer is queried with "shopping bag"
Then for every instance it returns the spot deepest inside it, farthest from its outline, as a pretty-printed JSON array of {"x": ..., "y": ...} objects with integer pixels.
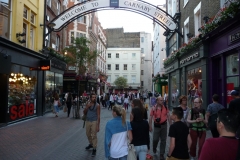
[{"x": 149, "y": 157}]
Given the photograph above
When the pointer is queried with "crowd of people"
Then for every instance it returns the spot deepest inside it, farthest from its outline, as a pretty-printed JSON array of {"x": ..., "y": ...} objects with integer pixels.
[{"x": 187, "y": 130}]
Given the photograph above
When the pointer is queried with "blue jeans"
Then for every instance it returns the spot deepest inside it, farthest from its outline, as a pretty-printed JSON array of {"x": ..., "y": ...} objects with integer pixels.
[
  {"x": 121, "y": 158},
  {"x": 141, "y": 151}
]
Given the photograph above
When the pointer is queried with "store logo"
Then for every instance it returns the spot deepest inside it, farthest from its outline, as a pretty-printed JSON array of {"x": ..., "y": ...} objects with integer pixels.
[
  {"x": 234, "y": 37},
  {"x": 170, "y": 68},
  {"x": 21, "y": 111},
  {"x": 189, "y": 58}
]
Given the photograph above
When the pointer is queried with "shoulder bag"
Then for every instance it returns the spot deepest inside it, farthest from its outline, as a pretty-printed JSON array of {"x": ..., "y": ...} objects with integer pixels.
[{"x": 131, "y": 150}]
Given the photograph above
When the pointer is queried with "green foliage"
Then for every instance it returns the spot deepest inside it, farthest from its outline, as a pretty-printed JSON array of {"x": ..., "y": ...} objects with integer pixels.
[
  {"x": 80, "y": 54},
  {"x": 121, "y": 82}
]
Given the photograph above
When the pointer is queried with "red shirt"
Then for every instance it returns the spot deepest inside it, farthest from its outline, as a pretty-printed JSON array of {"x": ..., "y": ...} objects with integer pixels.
[
  {"x": 219, "y": 149},
  {"x": 159, "y": 113}
]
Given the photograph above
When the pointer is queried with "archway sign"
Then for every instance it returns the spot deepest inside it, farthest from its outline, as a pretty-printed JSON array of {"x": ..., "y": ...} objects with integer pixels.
[{"x": 138, "y": 6}]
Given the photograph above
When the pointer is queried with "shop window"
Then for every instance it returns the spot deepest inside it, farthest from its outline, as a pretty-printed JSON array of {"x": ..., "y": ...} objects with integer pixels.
[
  {"x": 5, "y": 19},
  {"x": 232, "y": 65},
  {"x": 22, "y": 92},
  {"x": 232, "y": 83},
  {"x": 194, "y": 85},
  {"x": 175, "y": 91}
]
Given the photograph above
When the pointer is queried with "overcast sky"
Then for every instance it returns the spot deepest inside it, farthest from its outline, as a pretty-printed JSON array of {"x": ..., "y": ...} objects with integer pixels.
[{"x": 130, "y": 21}]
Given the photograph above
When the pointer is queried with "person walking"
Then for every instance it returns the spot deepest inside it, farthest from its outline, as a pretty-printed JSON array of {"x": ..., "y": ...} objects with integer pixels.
[
  {"x": 159, "y": 115},
  {"x": 211, "y": 114},
  {"x": 119, "y": 99},
  {"x": 198, "y": 121},
  {"x": 111, "y": 99},
  {"x": 180, "y": 140},
  {"x": 116, "y": 132},
  {"x": 92, "y": 112},
  {"x": 225, "y": 147},
  {"x": 183, "y": 105},
  {"x": 126, "y": 101},
  {"x": 139, "y": 104},
  {"x": 140, "y": 132},
  {"x": 69, "y": 102},
  {"x": 56, "y": 104}
]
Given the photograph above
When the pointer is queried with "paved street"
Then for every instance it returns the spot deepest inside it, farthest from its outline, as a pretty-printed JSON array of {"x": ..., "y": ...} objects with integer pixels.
[{"x": 49, "y": 138}]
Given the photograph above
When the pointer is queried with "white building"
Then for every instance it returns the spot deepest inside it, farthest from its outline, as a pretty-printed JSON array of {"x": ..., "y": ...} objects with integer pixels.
[
  {"x": 159, "y": 47},
  {"x": 124, "y": 62},
  {"x": 146, "y": 61}
]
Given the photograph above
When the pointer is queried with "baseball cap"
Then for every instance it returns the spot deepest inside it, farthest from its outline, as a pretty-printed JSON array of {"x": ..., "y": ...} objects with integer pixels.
[{"x": 234, "y": 93}]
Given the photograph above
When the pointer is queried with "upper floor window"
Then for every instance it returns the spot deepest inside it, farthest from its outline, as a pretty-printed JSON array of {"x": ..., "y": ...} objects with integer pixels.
[
  {"x": 109, "y": 55},
  {"x": 81, "y": 19},
  {"x": 186, "y": 29},
  {"x": 133, "y": 66},
  {"x": 49, "y": 3},
  {"x": 33, "y": 17},
  {"x": 133, "y": 78},
  {"x": 125, "y": 55},
  {"x": 133, "y": 55},
  {"x": 72, "y": 37},
  {"x": 109, "y": 66},
  {"x": 58, "y": 8},
  {"x": 142, "y": 50},
  {"x": 25, "y": 12},
  {"x": 125, "y": 76},
  {"x": 79, "y": 35},
  {"x": 117, "y": 67},
  {"x": 197, "y": 18},
  {"x": 117, "y": 55},
  {"x": 125, "y": 67},
  {"x": 142, "y": 60},
  {"x": 57, "y": 43},
  {"x": 109, "y": 79},
  {"x": 141, "y": 72},
  {"x": 142, "y": 39}
]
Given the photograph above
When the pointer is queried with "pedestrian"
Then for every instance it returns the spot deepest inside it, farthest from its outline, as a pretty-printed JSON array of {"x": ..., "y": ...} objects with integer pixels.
[
  {"x": 180, "y": 140},
  {"x": 111, "y": 100},
  {"x": 159, "y": 114},
  {"x": 183, "y": 105},
  {"x": 225, "y": 147},
  {"x": 56, "y": 104},
  {"x": 126, "y": 101},
  {"x": 140, "y": 133},
  {"x": 104, "y": 100},
  {"x": 197, "y": 120},
  {"x": 211, "y": 114},
  {"x": 138, "y": 103},
  {"x": 234, "y": 105},
  {"x": 119, "y": 99},
  {"x": 116, "y": 131},
  {"x": 92, "y": 112},
  {"x": 69, "y": 102}
]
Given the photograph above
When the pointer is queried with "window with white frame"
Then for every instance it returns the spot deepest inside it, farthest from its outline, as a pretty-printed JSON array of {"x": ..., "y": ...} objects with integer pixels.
[
  {"x": 125, "y": 67},
  {"x": 141, "y": 72},
  {"x": 133, "y": 66},
  {"x": 142, "y": 50},
  {"x": 133, "y": 78},
  {"x": 116, "y": 66},
  {"x": 109, "y": 55},
  {"x": 197, "y": 18},
  {"x": 109, "y": 79},
  {"x": 172, "y": 7},
  {"x": 125, "y": 55},
  {"x": 58, "y": 7},
  {"x": 57, "y": 43},
  {"x": 109, "y": 66},
  {"x": 186, "y": 29},
  {"x": 25, "y": 28},
  {"x": 133, "y": 55},
  {"x": 79, "y": 35},
  {"x": 117, "y": 55},
  {"x": 142, "y": 39},
  {"x": 185, "y": 2}
]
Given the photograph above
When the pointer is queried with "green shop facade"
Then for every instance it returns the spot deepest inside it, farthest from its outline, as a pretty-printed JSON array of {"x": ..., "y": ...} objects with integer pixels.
[
  {"x": 161, "y": 84},
  {"x": 187, "y": 75}
]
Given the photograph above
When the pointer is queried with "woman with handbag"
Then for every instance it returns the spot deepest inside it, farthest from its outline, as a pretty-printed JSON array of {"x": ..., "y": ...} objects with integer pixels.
[
  {"x": 117, "y": 134},
  {"x": 211, "y": 114},
  {"x": 140, "y": 132}
]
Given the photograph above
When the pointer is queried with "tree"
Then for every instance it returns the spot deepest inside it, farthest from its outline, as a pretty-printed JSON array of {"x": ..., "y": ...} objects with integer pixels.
[
  {"x": 80, "y": 55},
  {"x": 121, "y": 82}
]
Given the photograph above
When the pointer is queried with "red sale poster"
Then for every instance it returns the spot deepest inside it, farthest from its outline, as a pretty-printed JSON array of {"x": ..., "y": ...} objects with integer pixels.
[{"x": 230, "y": 87}]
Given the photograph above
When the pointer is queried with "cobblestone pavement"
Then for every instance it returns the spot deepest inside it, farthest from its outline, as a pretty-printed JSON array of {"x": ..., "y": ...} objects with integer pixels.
[{"x": 50, "y": 138}]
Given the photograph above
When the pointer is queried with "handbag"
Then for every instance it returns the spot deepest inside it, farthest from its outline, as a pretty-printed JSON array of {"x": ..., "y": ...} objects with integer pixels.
[
  {"x": 65, "y": 109},
  {"x": 59, "y": 104},
  {"x": 84, "y": 117},
  {"x": 149, "y": 157},
  {"x": 131, "y": 150}
]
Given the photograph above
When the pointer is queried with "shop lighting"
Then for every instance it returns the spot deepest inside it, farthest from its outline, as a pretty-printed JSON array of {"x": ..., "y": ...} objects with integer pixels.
[{"x": 199, "y": 70}]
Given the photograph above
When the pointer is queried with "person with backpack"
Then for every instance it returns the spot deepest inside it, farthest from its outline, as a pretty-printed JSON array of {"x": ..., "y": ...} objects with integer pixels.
[
  {"x": 197, "y": 120},
  {"x": 211, "y": 114}
]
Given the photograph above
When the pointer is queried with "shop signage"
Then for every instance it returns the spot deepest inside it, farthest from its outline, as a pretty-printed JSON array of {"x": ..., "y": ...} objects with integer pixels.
[
  {"x": 169, "y": 69},
  {"x": 195, "y": 55},
  {"x": 44, "y": 66},
  {"x": 138, "y": 6},
  {"x": 71, "y": 68},
  {"x": 234, "y": 37},
  {"x": 21, "y": 111}
]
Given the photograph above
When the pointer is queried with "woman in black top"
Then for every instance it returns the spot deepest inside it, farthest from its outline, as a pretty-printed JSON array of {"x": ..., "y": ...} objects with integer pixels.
[
  {"x": 69, "y": 102},
  {"x": 140, "y": 133},
  {"x": 138, "y": 103}
]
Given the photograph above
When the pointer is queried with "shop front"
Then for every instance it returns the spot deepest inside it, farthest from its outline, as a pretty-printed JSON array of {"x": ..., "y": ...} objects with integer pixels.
[
  {"x": 187, "y": 75},
  {"x": 21, "y": 85},
  {"x": 224, "y": 48}
]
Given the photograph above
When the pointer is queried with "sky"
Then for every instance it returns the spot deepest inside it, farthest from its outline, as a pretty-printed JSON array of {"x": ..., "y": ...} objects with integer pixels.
[{"x": 129, "y": 21}]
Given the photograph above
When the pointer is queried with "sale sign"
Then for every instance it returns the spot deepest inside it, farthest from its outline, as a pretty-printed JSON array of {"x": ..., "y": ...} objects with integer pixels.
[
  {"x": 21, "y": 111},
  {"x": 230, "y": 87}
]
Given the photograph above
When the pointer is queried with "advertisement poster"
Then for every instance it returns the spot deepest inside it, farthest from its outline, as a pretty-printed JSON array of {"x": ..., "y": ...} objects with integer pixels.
[{"x": 230, "y": 87}]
